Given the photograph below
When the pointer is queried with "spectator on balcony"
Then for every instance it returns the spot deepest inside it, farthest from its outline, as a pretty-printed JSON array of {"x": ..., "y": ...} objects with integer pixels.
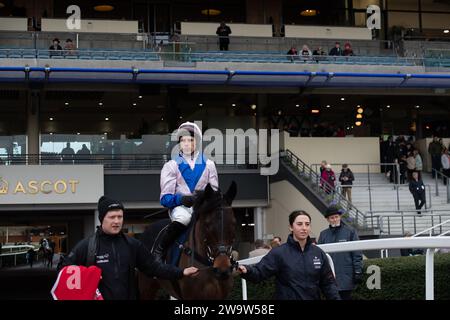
[
  {"x": 328, "y": 179},
  {"x": 305, "y": 52},
  {"x": 445, "y": 160},
  {"x": 55, "y": 49},
  {"x": 346, "y": 178},
  {"x": 337, "y": 50},
  {"x": 67, "y": 154},
  {"x": 435, "y": 151},
  {"x": 223, "y": 31},
  {"x": 417, "y": 189},
  {"x": 83, "y": 154},
  {"x": 69, "y": 48},
  {"x": 292, "y": 53},
  {"x": 318, "y": 52},
  {"x": 348, "y": 51}
]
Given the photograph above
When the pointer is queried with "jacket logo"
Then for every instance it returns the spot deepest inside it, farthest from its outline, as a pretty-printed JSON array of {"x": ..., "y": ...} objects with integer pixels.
[
  {"x": 103, "y": 258},
  {"x": 317, "y": 263}
]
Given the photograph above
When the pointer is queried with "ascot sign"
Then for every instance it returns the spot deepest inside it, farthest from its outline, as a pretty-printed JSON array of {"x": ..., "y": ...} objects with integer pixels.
[
  {"x": 34, "y": 187},
  {"x": 50, "y": 184}
]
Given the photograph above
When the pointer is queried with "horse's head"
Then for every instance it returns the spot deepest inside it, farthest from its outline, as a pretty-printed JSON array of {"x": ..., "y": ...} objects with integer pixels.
[{"x": 217, "y": 228}]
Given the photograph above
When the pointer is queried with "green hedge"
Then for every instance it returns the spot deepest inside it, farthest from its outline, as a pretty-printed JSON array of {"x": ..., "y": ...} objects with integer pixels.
[{"x": 402, "y": 278}]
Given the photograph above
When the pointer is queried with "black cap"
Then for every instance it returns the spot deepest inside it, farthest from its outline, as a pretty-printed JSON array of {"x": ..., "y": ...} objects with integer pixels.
[
  {"x": 106, "y": 204},
  {"x": 331, "y": 210}
]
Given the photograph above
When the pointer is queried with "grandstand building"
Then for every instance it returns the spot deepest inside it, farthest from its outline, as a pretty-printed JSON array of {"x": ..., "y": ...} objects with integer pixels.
[{"x": 140, "y": 68}]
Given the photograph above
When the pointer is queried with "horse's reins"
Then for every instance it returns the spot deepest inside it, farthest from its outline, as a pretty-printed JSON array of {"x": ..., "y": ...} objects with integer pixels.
[{"x": 222, "y": 250}]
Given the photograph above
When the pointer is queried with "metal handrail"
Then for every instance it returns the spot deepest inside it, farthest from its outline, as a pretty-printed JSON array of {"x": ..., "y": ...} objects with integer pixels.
[
  {"x": 431, "y": 228},
  {"x": 396, "y": 187},
  {"x": 324, "y": 189},
  {"x": 387, "y": 222},
  {"x": 444, "y": 178},
  {"x": 115, "y": 161},
  {"x": 397, "y": 165}
]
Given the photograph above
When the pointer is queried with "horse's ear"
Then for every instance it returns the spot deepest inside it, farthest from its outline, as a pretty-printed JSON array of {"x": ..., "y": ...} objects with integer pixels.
[
  {"x": 231, "y": 193},
  {"x": 209, "y": 191}
]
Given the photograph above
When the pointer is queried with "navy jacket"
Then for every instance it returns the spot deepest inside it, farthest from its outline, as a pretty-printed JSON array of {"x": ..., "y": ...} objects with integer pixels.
[
  {"x": 118, "y": 256},
  {"x": 300, "y": 275},
  {"x": 346, "y": 264}
]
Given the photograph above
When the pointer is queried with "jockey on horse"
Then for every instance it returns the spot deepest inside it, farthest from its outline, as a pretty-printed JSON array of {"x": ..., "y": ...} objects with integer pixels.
[{"x": 180, "y": 177}]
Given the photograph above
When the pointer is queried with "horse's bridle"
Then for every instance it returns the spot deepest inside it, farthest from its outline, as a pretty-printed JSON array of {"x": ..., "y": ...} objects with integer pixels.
[{"x": 221, "y": 248}]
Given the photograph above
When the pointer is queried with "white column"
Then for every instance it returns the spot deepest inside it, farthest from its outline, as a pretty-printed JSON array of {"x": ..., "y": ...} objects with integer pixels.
[{"x": 259, "y": 220}]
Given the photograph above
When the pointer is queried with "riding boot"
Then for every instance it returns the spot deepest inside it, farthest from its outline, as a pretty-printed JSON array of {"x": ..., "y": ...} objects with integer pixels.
[{"x": 171, "y": 233}]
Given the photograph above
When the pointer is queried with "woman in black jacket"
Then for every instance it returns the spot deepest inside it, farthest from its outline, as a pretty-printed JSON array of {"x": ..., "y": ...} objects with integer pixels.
[{"x": 301, "y": 269}]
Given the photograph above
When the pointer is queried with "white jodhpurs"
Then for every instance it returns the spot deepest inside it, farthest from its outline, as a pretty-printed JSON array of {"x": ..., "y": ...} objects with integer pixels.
[{"x": 181, "y": 214}]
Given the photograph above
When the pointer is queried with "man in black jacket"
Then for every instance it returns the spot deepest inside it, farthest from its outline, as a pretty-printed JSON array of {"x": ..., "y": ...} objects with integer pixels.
[
  {"x": 346, "y": 178},
  {"x": 348, "y": 265},
  {"x": 119, "y": 255},
  {"x": 301, "y": 268},
  {"x": 223, "y": 31},
  {"x": 417, "y": 189}
]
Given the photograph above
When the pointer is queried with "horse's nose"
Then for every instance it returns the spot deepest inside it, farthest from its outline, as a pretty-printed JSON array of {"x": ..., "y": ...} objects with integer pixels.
[{"x": 222, "y": 274}]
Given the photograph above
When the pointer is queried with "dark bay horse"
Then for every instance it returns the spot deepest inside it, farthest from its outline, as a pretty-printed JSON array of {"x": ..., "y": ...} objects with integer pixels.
[{"x": 208, "y": 247}]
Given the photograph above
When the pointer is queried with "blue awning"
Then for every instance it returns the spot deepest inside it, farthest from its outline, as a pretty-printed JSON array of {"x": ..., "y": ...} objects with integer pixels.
[{"x": 224, "y": 77}]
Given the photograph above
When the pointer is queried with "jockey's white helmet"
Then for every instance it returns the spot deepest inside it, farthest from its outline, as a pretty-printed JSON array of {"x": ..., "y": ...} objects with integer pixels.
[{"x": 189, "y": 128}]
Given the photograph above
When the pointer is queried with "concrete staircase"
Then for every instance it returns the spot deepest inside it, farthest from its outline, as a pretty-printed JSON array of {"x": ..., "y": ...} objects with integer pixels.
[{"x": 384, "y": 200}]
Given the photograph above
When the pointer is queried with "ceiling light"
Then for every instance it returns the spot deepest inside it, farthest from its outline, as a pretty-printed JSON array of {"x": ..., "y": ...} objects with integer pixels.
[
  {"x": 315, "y": 111},
  {"x": 359, "y": 116},
  {"x": 66, "y": 103},
  {"x": 417, "y": 107},
  {"x": 78, "y": 133},
  {"x": 140, "y": 97},
  {"x": 51, "y": 133},
  {"x": 308, "y": 13},
  {"x": 253, "y": 106},
  {"x": 427, "y": 127},
  {"x": 233, "y": 104},
  {"x": 328, "y": 106},
  {"x": 360, "y": 110},
  {"x": 279, "y": 112},
  {"x": 106, "y": 119},
  {"x": 162, "y": 118},
  {"x": 297, "y": 105},
  {"x": 348, "y": 128},
  {"x": 181, "y": 117},
  {"x": 358, "y": 123},
  {"x": 446, "y": 31},
  {"x": 342, "y": 99},
  {"x": 100, "y": 104},
  {"x": 388, "y": 106},
  {"x": 211, "y": 12},
  {"x": 134, "y": 104},
  {"x": 51, "y": 119},
  {"x": 104, "y": 7},
  {"x": 200, "y": 104}
]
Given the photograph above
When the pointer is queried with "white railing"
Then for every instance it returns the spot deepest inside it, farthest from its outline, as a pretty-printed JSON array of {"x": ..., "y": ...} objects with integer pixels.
[
  {"x": 430, "y": 230},
  {"x": 14, "y": 250},
  {"x": 428, "y": 243}
]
